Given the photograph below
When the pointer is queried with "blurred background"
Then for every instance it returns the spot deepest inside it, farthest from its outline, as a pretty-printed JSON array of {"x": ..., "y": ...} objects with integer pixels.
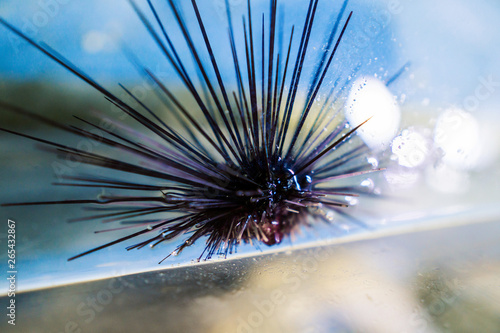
[{"x": 430, "y": 264}]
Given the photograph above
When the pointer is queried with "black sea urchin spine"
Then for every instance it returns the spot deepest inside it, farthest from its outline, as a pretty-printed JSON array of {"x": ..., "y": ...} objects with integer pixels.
[{"x": 250, "y": 168}]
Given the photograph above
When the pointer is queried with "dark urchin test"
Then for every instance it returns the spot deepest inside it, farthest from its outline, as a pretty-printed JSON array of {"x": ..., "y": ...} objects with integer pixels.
[{"x": 253, "y": 161}]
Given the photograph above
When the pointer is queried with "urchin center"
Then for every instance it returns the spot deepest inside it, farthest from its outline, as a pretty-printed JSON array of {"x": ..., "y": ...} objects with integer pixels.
[{"x": 272, "y": 199}]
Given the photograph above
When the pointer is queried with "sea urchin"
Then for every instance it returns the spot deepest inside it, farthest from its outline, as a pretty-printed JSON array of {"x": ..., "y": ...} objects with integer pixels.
[{"x": 242, "y": 165}]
